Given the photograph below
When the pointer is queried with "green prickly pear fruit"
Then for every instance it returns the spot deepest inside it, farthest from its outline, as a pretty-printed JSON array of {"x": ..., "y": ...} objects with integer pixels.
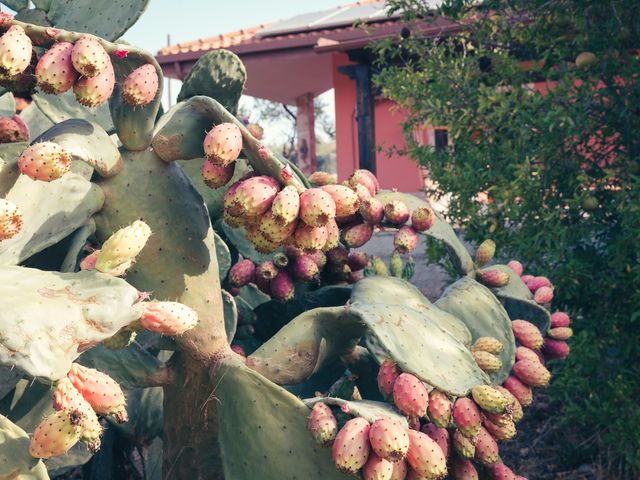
[
  {"x": 396, "y": 265},
  {"x": 316, "y": 207},
  {"x": 66, "y": 397},
  {"x": 222, "y": 144},
  {"x": 101, "y": 391},
  {"x": 140, "y": 87},
  {"x": 351, "y": 446},
  {"x": 241, "y": 273},
  {"x": 356, "y": 235},
  {"x": 422, "y": 219},
  {"x": 286, "y": 205},
  {"x": 168, "y": 318},
  {"x": 89, "y": 58},
  {"x": 379, "y": 267},
  {"x": 120, "y": 249},
  {"x": 463, "y": 469},
  {"x": 532, "y": 373},
  {"x": 389, "y": 439},
  {"x": 405, "y": 240},
  {"x": 10, "y": 219},
  {"x": 561, "y": 333},
  {"x": 439, "y": 435},
  {"x": 377, "y": 468},
  {"x": 94, "y": 91},
  {"x": 322, "y": 424},
  {"x": 485, "y": 252},
  {"x": 371, "y": 210},
  {"x": 493, "y": 277},
  {"x": 396, "y": 212},
  {"x": 425, "y": 457},
  {"x": 464, "y": 446},
  {"x": 56, "y": 434},
  {"x": 487, "y": 344},
  {"x": 514, "y": 409},
  {"x": 44, "y": 161},
  {"x": 387, "y": 375},
  {"x": 487, "y": 362},
  {"x": 440, "y": 408},
  {"x": 346, "y": 200},
  {"x": 489, "y": 399},
  {"x": 487, "y": 451},
  {"x": 15, "y": 51},
  {"x": 366, "y": 179},
  {"x": 216, "y": 176},
  {"x": 466, "y": 416},
  {"x": 410, "y": 395},
  {"x": 527, "y": 334},
  {"x": 54, "y": 71},
  {"x": 522, "y": 392},
  {"x": 320, "y": 178}
]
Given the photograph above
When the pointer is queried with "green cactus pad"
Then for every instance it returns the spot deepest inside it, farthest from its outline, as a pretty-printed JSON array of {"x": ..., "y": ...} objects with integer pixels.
[
  {"x": 479, "y": 309},
  {"x": 78, "y": 241},
  {"x": 237, "y": 238},
  {"x": 59, "y": 108},
  {"x": 37, "y": 121},
  {"x": 367, "y": 409},
  {"x": 144, "y": 407},
  {"x": 230, "y": 315},
  {"x": 15, "y": 461},
  {"x": 16, "y": 5},
  {"x": 253, "y": 296},
  {"x": 7, "y": 105},
  {"x": 223, "y": 255}
]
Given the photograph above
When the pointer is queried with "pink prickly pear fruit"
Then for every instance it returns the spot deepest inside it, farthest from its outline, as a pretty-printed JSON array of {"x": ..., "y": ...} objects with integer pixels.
[
  {"x": 466, "y": 416},
  {"x": 263, "y": 284},
  {"x": 387, "y": 375},
  {"x": 56, "y": 434},
  {"x": 487, "y": 344},
  {"x": 505, "y": 431},
  {"x": 425, "y": 457},
  {"x": 396, "y": 212},
  {"x": 405, "y": 240},
  {"x": 414, "y": 423},
  {"x": 366, "y": 179},
  {"x": 487, "y": 362},
  {"x": 516, "y": 266},
  {"x": 439, "y": 435},
  {"x": 410, "y": 395},
  {"x": 493, "y": 277},
  {"x": 485, "y": 252},
  {"x": 522, "y": 392},
  {"x": 305, "y": 268},
  {"x": 89, "y": 262},
  {"x": 560, "y": 319},
  {"x": 13, "y": 130},
  {"x": 371, "y": 210},
  {"x": 514, "y": 409},
  {"x": 292, "y": 251},
  {"x": 333, "y": 235},
  {"x": 101, "y": 391},
  {"x": 15, "y": 51},
  {"x": 94, "y": 91},
  {"x": 422, "y": 219},
  {"x": 338, "y": 255},
  {"x": 241, "y": 273},
  {"x": 527, "y": 334},
  {"x": 537, "y": 282},
  {"x": 389, "y": 439},
  {"x": 282, "y": 287},
  {"x": 259, "y": 241},
  {"x": 274, "y": 231},
  {"x": 267, "y": 270},
  {"x": 168, "y": 318},
  {"x": 356, "y": 235},
  {"x": 10, "y": 219},
  {"x": 253, "y": 197},
  {"x": 66, "y": 397},
  {"x": 556, "y": 348},
  {"x": 440, "y": 408},
  {"x": 532, "y": 373},
  {"x": 216, "y": 176},
  {"x": 543, "y": 295},
  {"x": 322, "y": 424},
  {"x": 286, "y": 205},
  {"x": 310, "y": 239},
  {"x": 523, "y": 353},
  {"x": 121, "y": 248},
  {"x": 377, "y": 468},
  {"x": 489, "y": 399},
  {"x": 526, "y": 279},
  {"x": 140, "y": 87},
  {"x": 487, "y": 451},
  {"x": 44, "y": 161},
  {"x": 351, "y": 446},
  {"x": 346, "y": 200},
  {"x": 499, "y": 471},
  {"x": 464, "y": 446},
  {"x": 357, "y": 260},
  {"x": 320, "y": 178},
  {"x": 317, "y": 207},
  {"x": 463, "y": 469},
  {"x": 320, "y": 258},
  {"x": 399, "y": 471},
  {"x": 89, "y": 58},
  {"x": 223, "y": 143}
]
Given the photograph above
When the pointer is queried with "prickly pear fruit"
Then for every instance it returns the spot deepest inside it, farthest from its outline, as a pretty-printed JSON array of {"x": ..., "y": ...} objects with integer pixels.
[
  {"x": 485, "y": 252},
  {"x": 487, "y": 362},
  {"x": 316, "y": 207},
  {"x": 286, "y": 205},
  {"x": 466, "y": 416},
  {"x": 405, "y": 240},
  {"x": 561, "y": 333},
  {"x": 422, "y": 219},
  {"x": 387, "y": 375},
  {"x": 255, "y": 130},
  {"x": 56, "y": 434},
  {"x": 555, "y": 348},
  {"x": 356, "y": 235},
  {"x": 252, "y": 197},
  {"x": 425, "y": 457},
  {"x": 322, "y": 424},
  {"x": 514, "y": 409},
  {"x": 439, "y": 435},
  {"x": 487, "y": 344},
  {"x": 274, "y": 231},
  {"x": 379, "y": 267},
  {"x": 215, "y": 176},
  {"x": 168, "y": 318},
  {"x": 499, "y": 471},
  {"x": 10, "y": 219},
  {"x": 377, "y": 468},
  {"x": 522, "y": 392},
  {"x": 399, "y": 470},
  {"x": 333, "y": 235},
  {"x": 486, "y": 448},
  {"x": 464, "y": 446},
  {"x": 527, "y": 334},
  {"x": 101, "y": 391},
  {"x": 282, "y": 287},
  {"x": 223, "y": 143},
  {"x": 410, "y": 395},
  {"x": 121, "y": 248},
  {"x": 140, "y": 87},
  {"x": 54, "y": 71},
  {"x": 13, "y": 129},
  {"x": 489, "y": 399},
  {"x": 560, "y": 319},
  {"x": 351, "y": 446},
  {"x": 241, "y": 273},
  {"x": 310, "y": 239},
  {"x": 267, "y": 270},
  {"x": 396, "y": 212},
  {"x": 346, "y": 200},
  {"x": 366, "y": 179},
  {"x": 396, "y": 265},
  {"x": 504, "y": 431},
  {"x": 440, "y": 408},
  {"x": 523, "y": 353},
  {"x": 66, "y": 397},
  {"x": 516, "y": 266},
  {"x": 305, "y": 268},
  {"x": 538, "y": 282},
  {"x": 526, "y": 279},
  {"x": 389, "y": 439},
  {"x": 371, "y": 210},
  {"x": 338, "y": 255},
  {"x": 15, "y": 51},
  {"x": 320, "y": 178},
  {"x": 88, "y": 56},
  {"x": 543, "y": 295},
  {"x": 463, "y": 469},
  {"x": 94, "y": 91},
  {"x": 492, "y": 277},
  {"x": 44, "y": 161},
  {"x": 532, "y": 373},
  {"x": 357, "y": 260}
]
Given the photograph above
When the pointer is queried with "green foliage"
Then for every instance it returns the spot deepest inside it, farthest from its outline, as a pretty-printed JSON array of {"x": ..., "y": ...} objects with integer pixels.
[{"x": 553, "y": 177}]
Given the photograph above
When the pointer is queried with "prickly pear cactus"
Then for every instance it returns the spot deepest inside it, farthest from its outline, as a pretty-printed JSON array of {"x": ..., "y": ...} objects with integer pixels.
[{"x": 177, "y": 278}]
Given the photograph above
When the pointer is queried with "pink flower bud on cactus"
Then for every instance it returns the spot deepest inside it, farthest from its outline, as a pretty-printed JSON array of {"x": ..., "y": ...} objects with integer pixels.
[
  {"x": 88, "y": 56},
  {"x": 44, "y": 161},
  {"x": 527, "y": 334},
  {"x": 543, "y": 295},
  {"x": 252, "y": 197},
  {"x": 466, "y": 416},
  {"x": 346, "y": 200},
  {"x": 485, "y": 252},
  {"x": 282, "y": 287},
  {"x": 387, "y": 375},
  {"x": 499, "y": 471},
  {"x": 322, "y": 424},
  {"x": 317, "y": 207},
  {"x": 389, "y": 439},
  {"x": 464, "y": 446},
  {"x": 10, "y": 219},
  {"x": 425, "y": 457},
  {"x": 396, "y": 212},
  {"x": 101, "y": 391},
  {"x": 410, "y": 395},
  {"x": 516, "y": 266},
  {"x": 216, "y": 176},
  {"x": 560, "y": 319},
  {"x": 366, "y": 179},
  {"x": 492, "y": 277},
  {"x": 241, "y": 273},
  {"x": 357, "y": 260},
  {"x": 13, "y": 130},
  {"x": 537, "y": 282},
  {"x": 94, "y": 91},
  {"x": 286, "y": 205},
  {"x": 56, "y": 434},
  {"x": 405, "y": 240},
  {"x": 305, "y": 268},
  {"x": 168, "y": 318},
  {"x": 371, "y": 210},
  {"x": 320, "y": 178},
  {"x": 440, "y": 408},
  {"x": 532, "y": 373},
  {"x": 377, "y": 468},
  {"x": 310, "y": 239},
  {"x": 122, "y": 247},
  {"x": 356, "y": 235},
  {"x": 556, "y": 348},
  {"x": 422, "y": 219},
  {"x": 439, "y": 435},
  {"x": 140, "y": 87},
  {"x": 522, "y": 392},
  {"x": 486, "y": 448},
  {"x": 223, "y": 144},
  {"x": 15, "y": 51},
  {"x": 351, "y": 447},
  {"x": 463, "y": 469}
]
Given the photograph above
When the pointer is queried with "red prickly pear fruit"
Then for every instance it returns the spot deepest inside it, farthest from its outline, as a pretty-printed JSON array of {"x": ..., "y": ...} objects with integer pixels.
[
  {"x": 346, "y": 200},
  {"x": 168, "y": 318},
  {"x": 140, "y": 87},
  {"x": 15, "y": 51},
  {"x": 10, "y": 219},
  {"x": 387, "y": 375},
  {"x": 357, "y": 260},
  {"x": 216, "y": 176},
  {"x": 241, "y": 273},
  {"x": 499, "y": 471},
  {"x": 366, "y": 179},
  {"x": 94, "y": 91},
  {"x": 487, "y": 344},
  {"x": 320, "y": 178},
  {"x": 286, "y": 205},
  {"x": 532, "y": 373},
  {"x": 466, "y": 416},
  {"x": 338, "y": 255},
  {"x": 389, "y": 439},
  {"x": 425, "y": 457},
  {"x": 405, "y": 240},
  {"x": 543, "y": 295},
  {"x": 101, "y": 391},
  {"x": 485, "y": 252},
  {"x": 322, "y": 424},
  {"x": 263, "y": 284},
  {"x": 399, "y": 470},
  {"x": 560, "y": 319},
  {"x": 505, "y": 431},
  {"x": 516, "y": 266},
  {"x": 489, "y": 399},
  {"x": 526, "y": 279},
  {"x": 522, "y": 392},
  {"x": 487, "y": 362},
  {"x": 523, "y": 353},
  {"x": 514, "y": 409},
  {"x": 362, "y": 191},
  {"x": 422, "y": 219},
  {"x": 239, "y": 350},
  {"x": 377, "y": 468},
  {"x": 492, "y": 277},
  {"x": 351, "y": 446},
  {"x": 440, "y": 408},
  {"x": 320, "y": 258},
  {"x": 274, "y": 231},
  {"x": 56, "y": 434},
  {"x": 396, "y": 212},
  {"x": 266, "y": 270},
  {"x": 486, "y": 448},
  {"x": 556, "y": 348},
  {"x": 66, "y": 397},
  {"x": 316, "y": 207},
  {"x": 410, "y": 395},
  {"x": 439, "y": 435},
  {"x": 120, "y": 250},
  {"x": 464, "y": 446},
  {"x": 463, "y": 469},
  {"x": 537, "y": 282},
  {"x": 527, "y": 334},
  {"x": 223, "y": 143},
  {"x": 310, "y": 239},
  {"x": 292, "y": 251},
  {"x": 282, "y": 287},
  {"x": 252, "y": 197},
  {"x": 333, "y": 235},
  {"x": 356, "y": 235},
  {"x": 13, "y": 130},
  {"x": 520, "y": 477},
  {"x": 371, "y": 210},
  {"x": 89, "y": 58},
  {"x": 305, "y": 268},
  {"x": 44, "y": 161}
]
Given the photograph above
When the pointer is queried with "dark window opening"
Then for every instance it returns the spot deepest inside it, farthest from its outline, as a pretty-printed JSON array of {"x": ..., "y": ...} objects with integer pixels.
[{"x": 442, "y": 140}]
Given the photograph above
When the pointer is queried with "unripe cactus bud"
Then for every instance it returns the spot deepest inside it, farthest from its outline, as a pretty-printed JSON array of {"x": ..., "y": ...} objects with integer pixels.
[
  {"x": 379, "y": 267},
  {"x": 396, "y": 265},
  {"x": 10, "y": 219},
  {"x": 122, "y": 247},
  {"x": 140, "y": 87},
  {"x": 44, "y": 161},
  {"x": 322, "y": 424},
  {"x": 489, "y": 399},
  {"x": 405, "y": 240},
  {"x": 320, "y": 178},
  {"x": 396, "y": 212},
  {"x": 422, "y": 219},
  {"x": 286, "y": 205},
  {"x": 485, "y": 252},
  {"x": 168, "y": 318},
  {"x": 94, "y": 91},
  {"x": 356, "y": 235},
  {"x": 88, "y": 56},
  {"x": 223, "y": 144},
  {"x": 101, "y": 391},
  {"x": 15, "y": 51},
  {"x": 316, "y": 207},
  {"x": 493, "y": 277},
  {"x": 216, "y": 176}
]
